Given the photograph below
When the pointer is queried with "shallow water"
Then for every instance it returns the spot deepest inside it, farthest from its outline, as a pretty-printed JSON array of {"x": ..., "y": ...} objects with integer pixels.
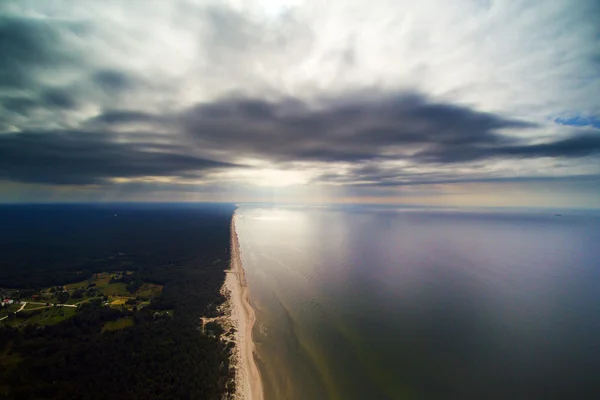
[{"x": 416, "y": 304}]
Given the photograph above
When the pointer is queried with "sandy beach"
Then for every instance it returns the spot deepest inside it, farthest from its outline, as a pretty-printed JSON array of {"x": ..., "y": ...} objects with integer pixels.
[{"x": 248, "y": 380}]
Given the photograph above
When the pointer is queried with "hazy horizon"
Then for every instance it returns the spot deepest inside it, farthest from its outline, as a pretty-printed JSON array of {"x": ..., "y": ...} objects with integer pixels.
[{"x": 333, "y": 205}]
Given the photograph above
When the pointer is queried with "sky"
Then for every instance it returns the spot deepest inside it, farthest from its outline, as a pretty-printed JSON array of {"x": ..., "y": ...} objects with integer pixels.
[{"x": 461, "y": 103}]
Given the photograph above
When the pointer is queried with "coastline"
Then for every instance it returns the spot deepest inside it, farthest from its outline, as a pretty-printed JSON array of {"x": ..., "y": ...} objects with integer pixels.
[{"x": 248, "y": 381}]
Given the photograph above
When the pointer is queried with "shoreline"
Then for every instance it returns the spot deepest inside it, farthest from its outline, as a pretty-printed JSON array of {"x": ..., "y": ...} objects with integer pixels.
[{"x": 248, "y": 381}]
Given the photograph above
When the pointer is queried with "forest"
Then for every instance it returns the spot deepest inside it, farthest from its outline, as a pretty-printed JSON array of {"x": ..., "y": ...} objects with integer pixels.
[{"x": 157, "y": 355}]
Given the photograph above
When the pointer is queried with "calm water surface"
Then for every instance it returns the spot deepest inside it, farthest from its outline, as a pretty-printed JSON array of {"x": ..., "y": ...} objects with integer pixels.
[{"x": 412, "y": 304}]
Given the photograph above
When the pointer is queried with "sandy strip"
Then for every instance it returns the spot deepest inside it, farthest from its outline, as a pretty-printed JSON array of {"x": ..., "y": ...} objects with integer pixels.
[{"x": 248, "y": 380}]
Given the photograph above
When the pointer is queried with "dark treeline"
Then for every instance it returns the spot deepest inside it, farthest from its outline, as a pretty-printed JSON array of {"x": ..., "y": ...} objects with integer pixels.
[
  {"x": 163, "y": 355},
  {"x": 46, "y": 245}
]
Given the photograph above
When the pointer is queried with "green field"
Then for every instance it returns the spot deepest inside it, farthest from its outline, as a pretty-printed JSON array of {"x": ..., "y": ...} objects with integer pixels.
[
  {"x": 118, "y": 289},
  {"x": 43, "y": 316},
  {"x": 11, "y": 308},
  {"x": 30, "y": 306},
  {"x": 97, "y": 286},
  {"x": 115, "y": 289},
  {"x": 100, "y": 279},
  {"x": 53, "y": 315},
  {"x": 149, "y": 290},
  {"x": 120, "y": 323}
]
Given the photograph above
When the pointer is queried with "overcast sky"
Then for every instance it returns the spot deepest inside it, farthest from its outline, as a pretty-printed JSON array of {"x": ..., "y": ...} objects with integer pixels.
[{"x": 463, "y": 102}]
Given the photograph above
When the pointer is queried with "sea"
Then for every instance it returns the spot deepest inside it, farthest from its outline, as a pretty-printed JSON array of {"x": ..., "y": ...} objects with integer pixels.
[{"x": 379, "y": 303}]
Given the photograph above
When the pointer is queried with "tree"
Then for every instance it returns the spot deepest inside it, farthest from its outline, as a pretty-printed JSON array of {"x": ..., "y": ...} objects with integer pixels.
[{"x": 63, "y": 297}]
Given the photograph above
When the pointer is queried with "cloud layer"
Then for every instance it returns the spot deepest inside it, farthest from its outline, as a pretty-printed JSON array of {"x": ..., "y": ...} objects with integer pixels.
[
  {"x": 85, "y": 158},
  {"x": 345, "y": 94}
]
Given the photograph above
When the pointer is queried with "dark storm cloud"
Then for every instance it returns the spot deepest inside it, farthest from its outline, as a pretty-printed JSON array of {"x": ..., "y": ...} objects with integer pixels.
[
  {"x": 19, "y": 104},
  {"x": 29, "y": 48},
  {"x": 374, "y": 176},
  {"x": 407, "y": 127},
  {"x": 113, "y": 81},
  {"x": 88, "y": 158},
  {"x": 58, "y": 98},
  {"x": 23, "y": 44},
  {"x": 577, "y": 146},
  {"x": 50, "y": 99},
  {"x": 355, "y": 129},
  {"x": 116, "y": 117},
  {"x": 28, "y": 44},
  {"x": 364, "y": 130}
]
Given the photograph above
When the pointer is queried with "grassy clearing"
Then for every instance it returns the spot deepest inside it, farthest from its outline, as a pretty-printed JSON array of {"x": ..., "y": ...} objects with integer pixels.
[
  {"x": 78, "y": 285},
  {"x": 115, "y": 289},
  {"x": 97, "y": 286},
  {"x": 101, "y": 279},
  {"x": 52, "y": 315},
  {"x": 120, "y": 323},
  {"x": 149, "y": 290},
  {"x": 119, "y": 301},
  {"x": 100, "y": 282},
  {"x": 30, "y": 306},
  {"x": 43, "y": 316},
  {"x": 11, "y": 308}
]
